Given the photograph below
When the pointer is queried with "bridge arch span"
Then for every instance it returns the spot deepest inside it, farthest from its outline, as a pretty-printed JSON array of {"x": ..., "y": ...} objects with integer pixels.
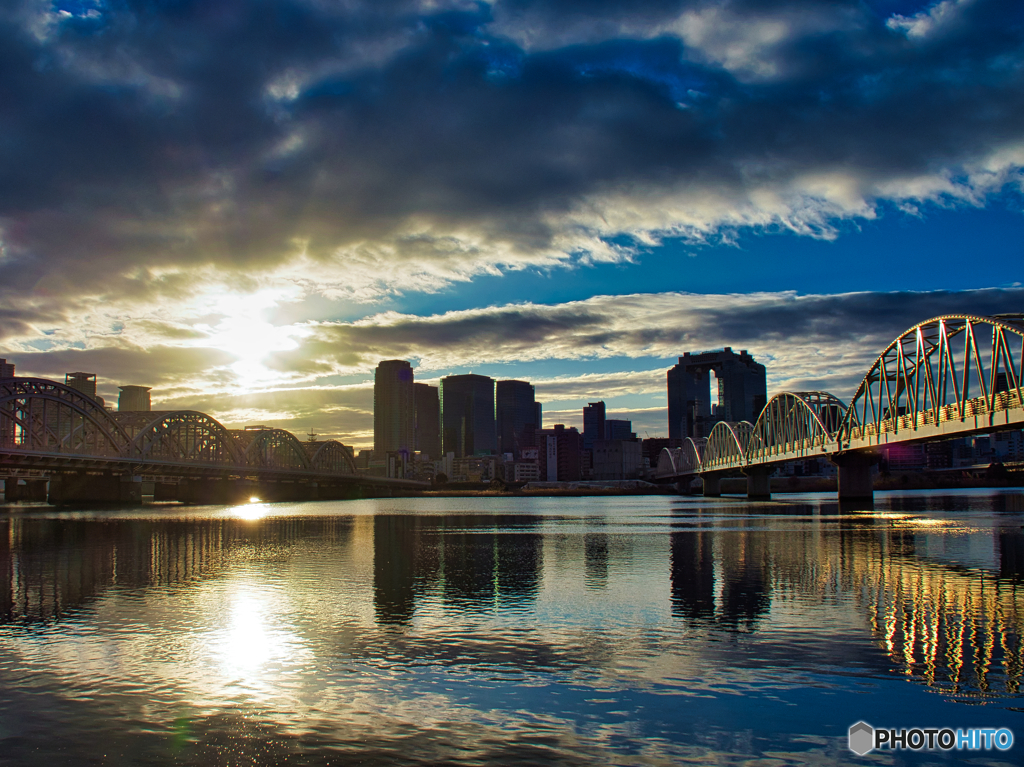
[
  {"x": 45, "y": 416},
  {"x": 331, "y": 456},
  {"x": 947, "y": 368},
  {"x": 796, "y": 423},
  {"x": 274, "y": 449},
  {"x": 188, "y": 436},
  {"x": 727, "y": 445}
]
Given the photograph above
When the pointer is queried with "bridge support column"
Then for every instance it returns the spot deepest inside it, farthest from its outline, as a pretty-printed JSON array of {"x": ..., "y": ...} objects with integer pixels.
[
  {"x": 23, "y": 490},
  {"x": 855, "y": 478},
  {"x": 712, "y": 485},
  {"x": 759, "y": 483}
]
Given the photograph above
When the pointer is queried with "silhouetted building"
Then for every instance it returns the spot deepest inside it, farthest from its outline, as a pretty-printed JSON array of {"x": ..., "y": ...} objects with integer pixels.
[
  {"x": 617, "y": 459},
  {"x": 6, "y": 369},
  {"x": 540, "y": 417},
  {"x": 82, "y": 382},
  {"x": 516, "y": 413},
  {"x": 742, "y": 391},
  {"x": 394, "y": 408},
  {"x": 559, "y": 454},
  {"x": 615, "y": 428},
  {"x": 593, "y": 424},
  {"x": 134, "y": 398},
  {"x": 428, "y": 420},
  {"x": 467, "y": 415}
]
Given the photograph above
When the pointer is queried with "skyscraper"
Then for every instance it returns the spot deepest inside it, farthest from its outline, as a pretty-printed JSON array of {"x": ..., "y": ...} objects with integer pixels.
[
  {"x": 394, "y": 408},
  {"x": 134, "y": 398},
  {"x": 467, "y": 415},
  {"x": 742, "y": 391},
  {"x": 516, "y": 412},
  {"x": 84, "y": 383},
  {"x": 6, "y": 370},
  {"x": 593, "y": 424},
  {"x": 428, "y": 420}
]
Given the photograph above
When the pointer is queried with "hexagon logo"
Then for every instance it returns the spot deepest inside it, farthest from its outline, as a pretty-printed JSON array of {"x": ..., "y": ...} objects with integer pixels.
[{"x": 862, "y": 738}]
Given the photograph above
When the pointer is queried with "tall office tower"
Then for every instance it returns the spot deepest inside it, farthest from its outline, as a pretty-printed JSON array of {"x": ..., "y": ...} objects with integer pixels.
[
  {"x": 7, "y": 424},
  {"x": 593, "y": 424},
  {"x": 540, "y": 416},
  {"x": 467, "y": 415},
  {"x": 134, "y": 398},
  {"x": 615, "y": 428},
  {"x": 394, "y": 409},
  {"x": 516, "y": 412},
  {"x": 83, "y": 382},
  {"x": 428, "y": 420},
  {"x": 742, "y": 391}
]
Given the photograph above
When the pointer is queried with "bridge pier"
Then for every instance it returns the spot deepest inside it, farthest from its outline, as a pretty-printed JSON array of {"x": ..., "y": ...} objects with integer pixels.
[
  {"x": 15, "y": 489},
  {"x": 855, "y": 479},
  {"x": 712, "y": 485},
  {"x": 759, "y": 483}
]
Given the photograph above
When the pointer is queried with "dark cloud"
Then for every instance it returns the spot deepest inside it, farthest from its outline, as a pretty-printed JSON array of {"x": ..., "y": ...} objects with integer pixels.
[
  {"x": 157, "y": 366},
  {"x": 850, "y": 327},
  {"x": 366, "y": 145}
]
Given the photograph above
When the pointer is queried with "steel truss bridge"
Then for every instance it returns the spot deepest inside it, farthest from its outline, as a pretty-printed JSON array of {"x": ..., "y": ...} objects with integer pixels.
[
  {"x": 947, "y": 377},
  {"x": 52, "y": 433}
]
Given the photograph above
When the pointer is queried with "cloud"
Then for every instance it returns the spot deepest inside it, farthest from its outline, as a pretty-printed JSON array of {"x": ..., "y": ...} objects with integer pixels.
[
  {"x": 808, "y": 339},
  {"x": 155, "y": 154},
  {"x": 623, "y": 345}
]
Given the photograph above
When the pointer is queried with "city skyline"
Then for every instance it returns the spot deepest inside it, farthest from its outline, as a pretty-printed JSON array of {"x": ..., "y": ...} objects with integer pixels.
[{"x": 568, "y": 194}]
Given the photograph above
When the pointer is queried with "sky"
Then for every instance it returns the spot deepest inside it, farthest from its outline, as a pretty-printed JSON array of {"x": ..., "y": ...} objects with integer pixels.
[{"x": 247, "y": 204}]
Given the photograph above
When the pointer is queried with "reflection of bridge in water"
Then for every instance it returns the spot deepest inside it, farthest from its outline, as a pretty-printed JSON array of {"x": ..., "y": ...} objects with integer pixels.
[
  {"x": 947, "y": 377},
  {"x": 52, "y": 434},
  {"x": 954, "y": 626}
]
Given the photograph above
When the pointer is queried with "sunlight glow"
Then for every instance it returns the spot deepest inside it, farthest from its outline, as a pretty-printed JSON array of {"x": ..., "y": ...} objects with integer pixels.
[
  {"x": 244, "y": 332},
  {"x": 252, "y": 510}
]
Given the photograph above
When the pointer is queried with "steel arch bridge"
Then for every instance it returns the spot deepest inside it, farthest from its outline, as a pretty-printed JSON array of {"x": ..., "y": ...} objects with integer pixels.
[
  {"x": 946, "y": 377},
  {"x": 48, "y": 427}
]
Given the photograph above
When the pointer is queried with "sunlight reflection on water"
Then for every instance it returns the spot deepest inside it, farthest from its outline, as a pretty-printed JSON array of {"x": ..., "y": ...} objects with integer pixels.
[{"x": 540, "y": 630}]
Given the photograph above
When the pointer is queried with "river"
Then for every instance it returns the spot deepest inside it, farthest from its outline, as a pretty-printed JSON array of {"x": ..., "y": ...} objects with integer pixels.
[{"x": 627, "y": 630}]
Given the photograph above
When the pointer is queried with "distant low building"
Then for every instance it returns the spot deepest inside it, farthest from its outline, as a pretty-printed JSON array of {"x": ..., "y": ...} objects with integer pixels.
[
  {"x": 617, "y": 459},
  {"x": 6, "y": 369}
]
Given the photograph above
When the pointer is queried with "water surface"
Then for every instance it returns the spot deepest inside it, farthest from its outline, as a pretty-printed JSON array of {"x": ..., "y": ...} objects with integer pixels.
[{"x": 650, "y": 630}]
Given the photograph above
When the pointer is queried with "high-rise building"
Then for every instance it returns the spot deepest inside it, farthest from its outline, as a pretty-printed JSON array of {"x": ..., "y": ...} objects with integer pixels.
[
  {"x": 693, "y": 409},
  {"x": 467, "y": 415},
  {"x": 6, "y": 424},
  {"x": 615, "y": 428},
  {"x": 540, "y": 416},
  {"x": 394, "y": 409},
  {"x": 82, "y": 382},
  {"x": 516, "y": 413},
  {"x": 593, "y": 424},
  {"x": 134, "y": 398},
  {"x": 428, "y": 420}
]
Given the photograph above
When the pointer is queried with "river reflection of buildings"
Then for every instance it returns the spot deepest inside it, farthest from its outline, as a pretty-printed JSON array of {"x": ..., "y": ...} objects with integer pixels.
[
  {"x": 946, "y": 609},
  {"x": 51, "y": 566},
  {"x": 954, "y": 627},
  {"x": 471, "y": 561}
]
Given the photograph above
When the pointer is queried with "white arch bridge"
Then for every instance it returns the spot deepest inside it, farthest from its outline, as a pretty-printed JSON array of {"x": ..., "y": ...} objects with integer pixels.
[
  {"x": 50, "y": 433},
  {"x": 947, "y": 377}
]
